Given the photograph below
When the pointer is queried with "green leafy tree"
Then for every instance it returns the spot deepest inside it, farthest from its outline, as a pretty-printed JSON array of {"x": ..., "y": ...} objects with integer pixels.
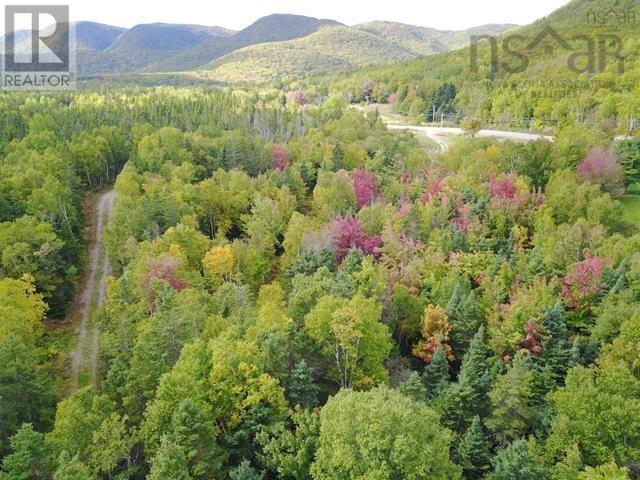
[
  {"x": 629, "y": 152},
  {"x": 598, "y": 408},
  {"x": 190, "y": 428},
  {"x": 609, "y": 471},
  {"x": 26, "y": 391},
  {"x": 381, "y": 434},
  {"x": 351, "y": 336},
  {"x": 289, "y": 450}
]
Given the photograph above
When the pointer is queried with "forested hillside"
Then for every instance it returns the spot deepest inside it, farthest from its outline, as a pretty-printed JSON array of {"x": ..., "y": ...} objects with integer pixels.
[
  {"x": 299, "y": 293},
  {"x": 577, "y": 65}
]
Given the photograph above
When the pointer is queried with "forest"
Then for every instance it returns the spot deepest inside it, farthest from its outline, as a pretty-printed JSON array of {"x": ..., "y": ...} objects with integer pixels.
[{"x": 299, "y": 293}]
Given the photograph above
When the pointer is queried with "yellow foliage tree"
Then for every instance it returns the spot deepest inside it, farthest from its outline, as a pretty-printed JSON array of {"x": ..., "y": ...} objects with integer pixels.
[
  {"x": 22, "y": 310},
  {"x": 435, "y": 333},
  {"x": 219, "y": 262}
]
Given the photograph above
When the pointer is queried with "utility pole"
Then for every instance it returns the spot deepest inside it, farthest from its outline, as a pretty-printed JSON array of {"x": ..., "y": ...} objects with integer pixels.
[{"x": 441, "y": 119}]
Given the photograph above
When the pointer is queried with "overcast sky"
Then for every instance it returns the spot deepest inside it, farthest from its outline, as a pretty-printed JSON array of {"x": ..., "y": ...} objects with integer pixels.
[{"x": 237, "y": 14}]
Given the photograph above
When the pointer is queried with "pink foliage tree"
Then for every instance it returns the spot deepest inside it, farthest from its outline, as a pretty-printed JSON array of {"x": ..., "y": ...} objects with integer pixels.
[
  {"x": 350, "y": 234},
  {"x": 583, "y": 282},
  {"x": 433, "y": 190},
  {"x": 164, "y": 270},
  {"x": 364, "y": 186},
  {"x": 299, "y": 98},
  {"x": 503, "y": 189},
  {"x": 367, "y": 91},
  {"x": 279, "y": 158},
  {"x": 532, "y": 337},
  {"x": 602, "y": 168}
]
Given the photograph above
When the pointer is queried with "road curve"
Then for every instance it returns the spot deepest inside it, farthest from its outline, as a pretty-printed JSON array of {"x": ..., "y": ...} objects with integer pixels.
[{"x": 440, "y": 134}]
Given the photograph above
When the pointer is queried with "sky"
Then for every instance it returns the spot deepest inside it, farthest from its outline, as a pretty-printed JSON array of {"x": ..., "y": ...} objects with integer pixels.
[{"x": 237, "y": 14}]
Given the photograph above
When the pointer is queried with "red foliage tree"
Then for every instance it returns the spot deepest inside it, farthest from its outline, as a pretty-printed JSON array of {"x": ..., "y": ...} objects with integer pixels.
[
  {"x": 364, "y": 186},
  {"x": 434, "y": 189},
  {"x": 279, "y": 158},
  {"x": 299, "y": 98},
  {"x": 504, "y": 189},
  {"x": 349, "y": 234},
  {"x": 162, "y": 269},
  {"x": 602, "y": 168},
  {"x": 531, "y": 340},
  {"x": 367, "y": 90},
  {"x": 583, "y": 282}
]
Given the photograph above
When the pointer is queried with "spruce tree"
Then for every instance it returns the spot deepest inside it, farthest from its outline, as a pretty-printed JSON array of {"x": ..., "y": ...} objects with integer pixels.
[
  {"x": 169, "y": 463},
  {"x": 466, "y": 398},
  {"x": 555, "y": 358},
  {"x": 71, "y": 468},
  {"x": 301, "y": 389},
  {"x": 464, "y": 316},
  {"x": 413, "y": 388},
  {"x": 30, "y": 457},
  {"x": 473, "y": 452},
  {"x": 516, "y": 462},
  {"x": 436, "y": 374}
]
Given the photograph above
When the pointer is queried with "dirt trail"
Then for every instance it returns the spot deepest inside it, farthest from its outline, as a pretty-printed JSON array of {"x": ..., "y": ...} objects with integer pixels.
[{"x": 84, "y": 359}]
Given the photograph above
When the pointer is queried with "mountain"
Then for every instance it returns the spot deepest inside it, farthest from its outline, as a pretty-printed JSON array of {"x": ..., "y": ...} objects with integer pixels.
[
  {"x": 273, "y": 47},
  {"x": 165, "y": 37},
  {"x": 427, "y": 41},
  {"x": 338, "y": 48},
  {"x": 273, "y": 28},
  {"x": 328, "y": 49},
  {"x": 140, "y": 45},
  {"x": 92, "y": 36}
]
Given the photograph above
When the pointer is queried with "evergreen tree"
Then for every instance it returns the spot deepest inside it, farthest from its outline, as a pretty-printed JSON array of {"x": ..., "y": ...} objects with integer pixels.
[
  {"x": 245, "y": 471},
  {"x": 413, "y": 388},
  {"x": 30, "y": 458},
  {"x": 473, "y": 452},
  {"x": 512, "y": 399},
  {"x": 516, "y": 462},
  {"x": 436, "y": 374},
  {"x": 26, "y": 393},
  {"x": 71, "y": 468},
  {"x": 192, "y": 430},
  {"x": 301, "y": 389},
  {"x": 464, "y": 316},
  {"x": 466, "y": 398},
  {"x": 169, "y": 463},
  {"x": 556, "y": 351}
]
